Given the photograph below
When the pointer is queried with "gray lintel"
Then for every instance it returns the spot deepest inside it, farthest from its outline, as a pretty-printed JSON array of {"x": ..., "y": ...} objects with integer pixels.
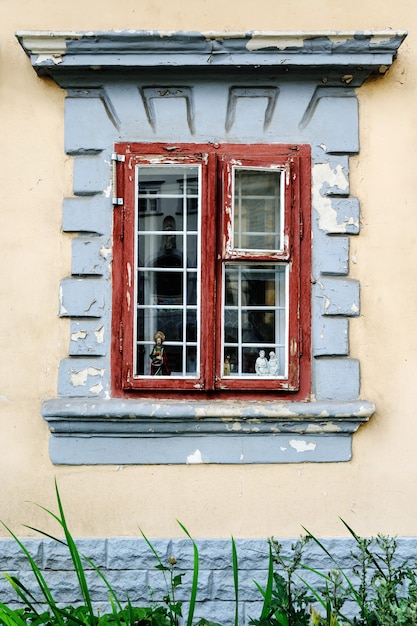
[{"x": 354, "y": 55}]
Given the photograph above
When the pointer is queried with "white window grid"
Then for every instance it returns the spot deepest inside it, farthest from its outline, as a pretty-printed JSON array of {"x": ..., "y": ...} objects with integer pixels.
[{"x": 149, "y": 272}]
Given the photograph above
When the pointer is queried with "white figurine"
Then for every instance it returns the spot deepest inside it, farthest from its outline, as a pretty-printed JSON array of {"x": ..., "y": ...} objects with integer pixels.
[
  {"x": 261, "y": 364},
  {"x": 273, "y": 364}
]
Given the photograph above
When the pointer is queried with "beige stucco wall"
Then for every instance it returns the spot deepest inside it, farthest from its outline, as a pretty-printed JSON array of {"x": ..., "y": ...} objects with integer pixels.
[{"x": 375, "y": 491}]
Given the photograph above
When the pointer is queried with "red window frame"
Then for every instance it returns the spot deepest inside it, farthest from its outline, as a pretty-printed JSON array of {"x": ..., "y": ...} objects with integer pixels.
[{"x": 217, "y": 162}]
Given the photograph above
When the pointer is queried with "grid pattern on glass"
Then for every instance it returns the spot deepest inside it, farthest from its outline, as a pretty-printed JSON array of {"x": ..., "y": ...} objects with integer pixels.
[
  {"x": 255, "y": 326},
  {"x": 257, "y": 208},
  {"x": 168, "y": 262}
]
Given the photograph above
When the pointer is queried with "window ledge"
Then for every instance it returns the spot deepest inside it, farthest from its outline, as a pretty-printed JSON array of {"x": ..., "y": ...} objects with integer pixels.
[{"x": 191, "y": 432}]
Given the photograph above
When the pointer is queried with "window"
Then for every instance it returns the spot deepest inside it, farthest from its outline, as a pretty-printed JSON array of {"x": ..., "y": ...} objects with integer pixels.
[{"x": 212, "y": 268}]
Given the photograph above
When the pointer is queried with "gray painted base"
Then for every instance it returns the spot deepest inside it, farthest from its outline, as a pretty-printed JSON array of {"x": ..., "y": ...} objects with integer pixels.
[
  {"x": 129, "y": 565},
  {"x": 185, "y": 432}
]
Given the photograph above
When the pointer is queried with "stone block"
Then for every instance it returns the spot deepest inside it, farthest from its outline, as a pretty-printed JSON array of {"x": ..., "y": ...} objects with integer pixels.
[
  {"x": 333, "y": 257},
  {"x": 330, "y": 336},
  {"x": 91, "y": 256},
  {"x": 339, "y": 296},
  {"x": 88, "y": 126},
  {"x": 82, "y": 297},
  {"x": 134, "y": 553},
  {"x": 92, "y": 175},
  {"x": 88, "y": 337},
  {"x": 56, "y": 556},
  {"x": 89, "y": 214},
  {"x": 83, "y": 377},
  {"x": 336, "y": 379}
]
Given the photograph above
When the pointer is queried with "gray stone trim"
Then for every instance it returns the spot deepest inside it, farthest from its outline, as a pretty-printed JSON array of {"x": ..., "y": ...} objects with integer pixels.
[
  {"x": 127, "y": 432},
  {"x": 255, "y": 87},
  {"x": 129, "y": 566},
  {"x": 354, "y": 54}
]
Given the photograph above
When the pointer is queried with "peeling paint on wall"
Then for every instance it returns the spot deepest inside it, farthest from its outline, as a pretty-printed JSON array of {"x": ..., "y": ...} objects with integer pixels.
[
  {"x": 323, "y": 178},
  {"x": 302, "y": 446},
  {"x": 80, "y": 378},
  {"x": 195, "y": 457},
  {"x": 99, "y": 333},
  {"x": 80, "y": 334}
]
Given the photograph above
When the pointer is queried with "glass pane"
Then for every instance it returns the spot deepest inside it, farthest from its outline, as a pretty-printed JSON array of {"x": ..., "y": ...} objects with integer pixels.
[
  {"x": 258, "y": 326},
  {"x": 255, "y": 319},
  {"x": 231, "y": 320},
  {"x": 168, "y": 266},
  {"x": 191, "y": 325},
  {"x": 257, "y": 209},
  {"x": 192, "y": 258},
  {"x": 191, "y": 360}
]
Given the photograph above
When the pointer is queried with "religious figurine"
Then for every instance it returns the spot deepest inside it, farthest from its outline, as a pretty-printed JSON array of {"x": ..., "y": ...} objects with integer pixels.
[
  {"x": 261, "y": 364},
  {"x": 158, "y": 356},
  {"x": 273, "y": 364},
  {"x": 226, "y": 368}
]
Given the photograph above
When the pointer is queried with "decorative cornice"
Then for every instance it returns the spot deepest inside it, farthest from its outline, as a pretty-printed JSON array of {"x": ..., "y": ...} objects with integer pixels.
[
  {"x": 354, "y": 55},
  {"x": 154, "y": 417}
]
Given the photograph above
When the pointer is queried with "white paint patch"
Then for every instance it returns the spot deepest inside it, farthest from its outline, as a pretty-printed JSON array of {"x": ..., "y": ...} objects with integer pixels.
[
  {"x": 258, "y": 41},
  {"x": 99, "y": 334},
  {"x": 300, "y": 445},
  {"x": 80, "y": 334},
  {"x": 105, "y": 252},
  {"x": 79, "y": 379},
  {"x": 354, "y": 308},
  {"x": 107, "y": 191},
  {"x": 96, "y": 388},
  {"x": 195, "y": 457},
  {"x": 55, "y": 58},
  {"x": 62, "y": 309}
]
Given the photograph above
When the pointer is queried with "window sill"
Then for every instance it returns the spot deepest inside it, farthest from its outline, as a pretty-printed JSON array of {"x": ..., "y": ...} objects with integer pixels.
[{"x": 120, "y": 432}]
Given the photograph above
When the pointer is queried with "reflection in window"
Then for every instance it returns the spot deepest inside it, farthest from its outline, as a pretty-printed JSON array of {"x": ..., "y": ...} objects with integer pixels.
[
  {"x": 255, "y": 317},
  {"x": 257, "y": 219},
  {"x": 168, "y": 265}
]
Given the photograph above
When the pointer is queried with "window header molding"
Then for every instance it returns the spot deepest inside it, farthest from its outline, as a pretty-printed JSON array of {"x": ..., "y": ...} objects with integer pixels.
[{"x": 348, "y": 57}]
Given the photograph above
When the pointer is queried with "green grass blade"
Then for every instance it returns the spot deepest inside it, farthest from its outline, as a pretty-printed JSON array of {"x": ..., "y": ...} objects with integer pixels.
[
  {"x": 39, "y": 577},
  {"x": 24, "y": 594},
  {"x": 75, "y": 556},
  {"x": 345, "y": 576},
  {"x": 362, "y": 547},
  {"x": 267, "y": 592},
  {"x": 10, "y": 617},
  {"x": 194, "y": 586},
  {"x": 235, "y": 565},
  {"x": 112, "y": 593},
  {"x": 84, "y": 557}
]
